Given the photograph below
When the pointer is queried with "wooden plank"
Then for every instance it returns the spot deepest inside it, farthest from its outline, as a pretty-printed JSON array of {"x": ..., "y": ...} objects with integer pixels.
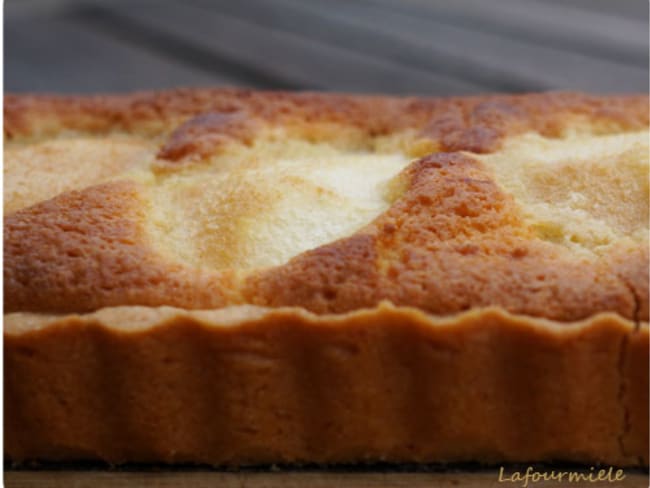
[
  {"x": 352, "y": 28},
  {"x": 50, "y": 54},
  {"x": 284, "y": 479},
  {"x": 498, "y": 63},
  {"x": 284, "y": 56},
  {"x": 630, "y": 9},
  {"x": 178, "y": 50},
  {"x": 20, "y": 8},
  {"x": 559, "y": 26}
]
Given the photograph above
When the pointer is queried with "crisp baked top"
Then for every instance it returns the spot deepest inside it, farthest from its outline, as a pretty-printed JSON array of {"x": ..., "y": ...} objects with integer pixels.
[{"x": 201, "y": 199}]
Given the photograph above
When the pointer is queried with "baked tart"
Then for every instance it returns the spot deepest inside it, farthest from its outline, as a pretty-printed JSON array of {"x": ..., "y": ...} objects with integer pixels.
[{"x": 236, "y": 277}]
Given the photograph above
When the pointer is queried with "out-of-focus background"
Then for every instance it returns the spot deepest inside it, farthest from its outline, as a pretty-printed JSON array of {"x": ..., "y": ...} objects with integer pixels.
[{"x": 435, "y": 47}]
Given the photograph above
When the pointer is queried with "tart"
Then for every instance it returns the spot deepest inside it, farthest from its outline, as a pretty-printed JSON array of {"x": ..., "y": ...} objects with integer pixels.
[{"x": 236, "y": 277}]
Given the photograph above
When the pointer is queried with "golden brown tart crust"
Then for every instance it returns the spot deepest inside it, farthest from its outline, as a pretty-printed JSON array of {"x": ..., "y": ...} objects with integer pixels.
[{"x": 464, "y": 320}]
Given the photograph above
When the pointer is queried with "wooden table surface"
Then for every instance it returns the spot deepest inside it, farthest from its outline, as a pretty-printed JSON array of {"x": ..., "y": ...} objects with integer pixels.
[
  {"x": 327, "y": 478},
  {"x": 435, "y": 47}
]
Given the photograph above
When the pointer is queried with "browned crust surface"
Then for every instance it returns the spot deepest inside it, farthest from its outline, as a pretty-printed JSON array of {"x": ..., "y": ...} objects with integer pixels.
[
  {"x": 452, "y": 241},
  {"x": 468, "y": 123},
  {"x": 84, "y": 250},
  {"x": 246, "y": 385}
]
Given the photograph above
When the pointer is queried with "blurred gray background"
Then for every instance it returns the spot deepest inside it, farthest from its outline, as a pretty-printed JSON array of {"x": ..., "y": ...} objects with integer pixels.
[{"x": 436, "y": 47}]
